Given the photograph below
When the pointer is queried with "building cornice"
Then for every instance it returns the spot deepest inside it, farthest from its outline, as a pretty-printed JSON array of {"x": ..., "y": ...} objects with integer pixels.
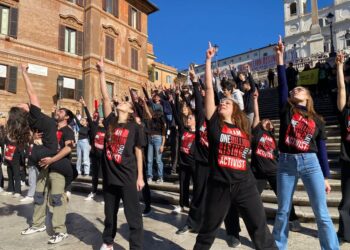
[{"x": 144, "y": 6}]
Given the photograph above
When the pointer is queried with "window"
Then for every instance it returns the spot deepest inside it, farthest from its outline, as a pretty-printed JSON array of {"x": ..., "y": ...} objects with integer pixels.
[
  {"x": 109, "y": 49},
  {"x": 77, "y": 2},
  {"x": 293, "y": 9},
  {"x": 8, "y": 21},
  {"x": 70, "y": 88},
  {"x": 321, "y": 22},
  {"x": 70, "y": 40},
  {"x": 8, "y": 78},
  {"x": 134, "y": 59},
  {"x": 168, "y": 79},
  {"x": 110, "y": 88},
  {"x": 157, "y": 75},
  {"x": 134, "y": 18},
  {"x": 265, "y": 54},
  {"x": 347, "y": 43},
  {"x": 111, "y": 6}
]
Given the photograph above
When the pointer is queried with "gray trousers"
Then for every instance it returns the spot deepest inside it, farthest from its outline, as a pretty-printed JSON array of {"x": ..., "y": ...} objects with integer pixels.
[{"x": 32, "y": 177}]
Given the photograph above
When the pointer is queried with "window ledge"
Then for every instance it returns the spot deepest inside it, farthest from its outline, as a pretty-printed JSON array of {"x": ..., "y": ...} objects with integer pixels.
[
  {"x": 68, "y": 100},
  {"x": 6, "y": 93}
]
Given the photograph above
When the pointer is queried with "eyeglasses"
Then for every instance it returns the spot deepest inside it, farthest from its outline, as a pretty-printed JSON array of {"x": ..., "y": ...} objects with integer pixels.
[{"x": 297, "y": 89}]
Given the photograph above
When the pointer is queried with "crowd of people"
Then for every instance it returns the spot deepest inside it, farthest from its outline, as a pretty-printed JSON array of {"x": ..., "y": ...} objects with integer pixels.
[{"x": 218, "y": 140}]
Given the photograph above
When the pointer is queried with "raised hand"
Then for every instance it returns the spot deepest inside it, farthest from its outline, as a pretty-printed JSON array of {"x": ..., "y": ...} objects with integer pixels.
[
  {"x": 100, "y": 65},
  {"x": 280, "y": 47},
  {"x": 24, "y": 67},
  {"x": 192, "y": 73},
  {"x": 210, "y": 52},
  {"x": 82, "y": 101},
  {"x": 339, "y": 60},
  {"x": 256, "y": 95}
]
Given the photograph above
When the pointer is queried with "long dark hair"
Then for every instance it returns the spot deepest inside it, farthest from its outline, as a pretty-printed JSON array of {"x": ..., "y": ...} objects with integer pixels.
[{"x": 17, "y": 127}]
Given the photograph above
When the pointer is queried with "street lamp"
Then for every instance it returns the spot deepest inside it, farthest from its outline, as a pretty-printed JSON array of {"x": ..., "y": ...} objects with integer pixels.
[
  {"x": 216, "y": 47},
  {"x": 330, "y": 17},
  {"x": 60, "y": 85}
]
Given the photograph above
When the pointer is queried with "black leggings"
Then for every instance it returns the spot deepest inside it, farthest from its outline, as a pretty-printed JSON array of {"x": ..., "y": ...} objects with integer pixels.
[
  {"x": 186, "y": 173},
  {"x": 14, "y": 177},
  {"x": 220, "y": 197},
  {"x": 96, "y": 168},
  {"x": 129, "y": 196}
]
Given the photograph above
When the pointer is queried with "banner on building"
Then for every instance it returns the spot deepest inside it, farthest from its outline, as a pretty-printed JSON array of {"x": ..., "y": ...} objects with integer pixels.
[
  {"x": 261, "y": 64},
  {"x": 309, "y": 77}
]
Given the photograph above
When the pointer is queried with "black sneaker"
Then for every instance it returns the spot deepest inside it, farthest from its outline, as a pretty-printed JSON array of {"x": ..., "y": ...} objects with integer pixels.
[
  {"x": 233, "y": 242},
  {"x": 147, "y": 211},
  {"x": 184, "y": 229}
]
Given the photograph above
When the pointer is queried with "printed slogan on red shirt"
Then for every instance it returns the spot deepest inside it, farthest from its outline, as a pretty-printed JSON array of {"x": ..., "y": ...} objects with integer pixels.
[
  {"x": 300, "y": 132},
  {"x": 233, "y": 149},
  {"x": 266, "y": 147},
  {"x": 204, "y": 135},
  {"x": 116, "y": 146},
  {"x": 186, "y": 142},
  {"x": 99, "y": 140}
]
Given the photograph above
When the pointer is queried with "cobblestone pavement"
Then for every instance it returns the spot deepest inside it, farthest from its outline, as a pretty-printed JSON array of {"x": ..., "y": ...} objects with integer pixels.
[{"x": 85, "y": 224}]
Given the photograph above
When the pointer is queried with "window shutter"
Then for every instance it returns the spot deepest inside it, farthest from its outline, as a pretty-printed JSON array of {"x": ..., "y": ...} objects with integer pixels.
[
  {"x": 116, "y": 8},
  {"x": 80, "y": 43},
  {"x": 130, "y": 17},
  {"x": 104, "y": 5},
  {"x": 13, "y": 22},
  {"x": 79, "y": 89},
  {"x": 111, "y": 48},
  {"x": 138, "y": 21},
  {"x": 80, "y": 3},
  {"x": 136, "y": 60},
  {"x": 61, "y": 34},
  {"x": 12, "y": 81}
]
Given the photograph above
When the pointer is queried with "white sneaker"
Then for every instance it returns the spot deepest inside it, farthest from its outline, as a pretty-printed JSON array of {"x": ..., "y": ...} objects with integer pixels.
[
  {"x": 90, "y": 197},
  {"x": 27, "y": 199},
  {"x": 68, "y": 194},
  {"x": 23, "y": 183},
  {"x": 6, "y": 193},
  {"x": 16, "y": 195},
  {"x": 106, "y": 247},
  {"x": 1, "y": 190},
  {"x": 57, "y": 237},
  {"x": 32, "y": 230},
  {"x": 178, "y": 210}
]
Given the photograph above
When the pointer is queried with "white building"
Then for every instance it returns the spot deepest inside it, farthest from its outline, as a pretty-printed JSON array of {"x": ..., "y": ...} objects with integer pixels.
[{"x": 298, "y": 21}]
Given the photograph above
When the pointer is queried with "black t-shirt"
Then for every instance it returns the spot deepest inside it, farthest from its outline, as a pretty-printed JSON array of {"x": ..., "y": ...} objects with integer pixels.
[
  {"x": 228, "y": 150},
  {"x": 264, "y": 151},
  {"x": 156, "y": 125},
  {"x": 42, "y": 123},
  {"x": 83, "y": 133},
  {"x": 120, "y": 166},
  {"x": 202, "y": 144},
  {"x": 344, "y": 118},
  {"x": 187, "y": 148},
  {"x": 299, "y": 134},
  {"x": 63, "y": 166},
  {"x": 99, "y": 141}
]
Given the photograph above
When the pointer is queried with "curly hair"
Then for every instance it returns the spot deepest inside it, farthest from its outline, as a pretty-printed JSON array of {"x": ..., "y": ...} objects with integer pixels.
[{"x": 17, "y": 126}]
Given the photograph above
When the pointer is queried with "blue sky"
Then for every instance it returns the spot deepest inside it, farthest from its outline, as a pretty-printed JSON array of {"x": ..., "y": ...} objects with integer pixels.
[{"x": 180, "y": 31}]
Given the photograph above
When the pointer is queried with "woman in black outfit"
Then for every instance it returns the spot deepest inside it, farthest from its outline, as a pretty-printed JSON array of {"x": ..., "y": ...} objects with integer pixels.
[
  {"x": 230, "y": 180},
  {"x": 122, "y": 169},
  {"x": 187, "y": 134}
]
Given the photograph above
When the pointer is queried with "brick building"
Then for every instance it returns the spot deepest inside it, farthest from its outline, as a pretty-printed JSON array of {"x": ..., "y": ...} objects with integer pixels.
[{"x": 63, "y": 39}]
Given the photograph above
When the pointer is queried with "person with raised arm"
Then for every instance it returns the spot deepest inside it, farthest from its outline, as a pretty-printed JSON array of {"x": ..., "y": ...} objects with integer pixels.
[
  {"x": 53, "y": 157},
  {"x": 122, "y": 168},
  {"x": 230, "y": 180},
  {"x": 265, "y": 157},
  {"x": 302, "y": 154},
  {"x": 344, "y": 161}
]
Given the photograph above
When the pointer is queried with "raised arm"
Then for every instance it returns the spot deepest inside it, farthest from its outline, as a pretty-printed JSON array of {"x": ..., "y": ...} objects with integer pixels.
[
  {"x": 209, "y": 103},
  {"x": 341, "y": 101},
  {"x": 256, "y": 119},
  {"x": 105, "y": 97},
  {"x": 33, "y": 98},
  {"x": 88, "y": 115},
  {"x": 281, "y": 70}
]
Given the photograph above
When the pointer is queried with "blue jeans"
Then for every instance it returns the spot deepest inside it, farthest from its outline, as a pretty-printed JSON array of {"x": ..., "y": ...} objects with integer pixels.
[
  {"x": 83, "y": 154},
  {"x": 307, "y": 167},
  {"x": 154, "y": 143}
]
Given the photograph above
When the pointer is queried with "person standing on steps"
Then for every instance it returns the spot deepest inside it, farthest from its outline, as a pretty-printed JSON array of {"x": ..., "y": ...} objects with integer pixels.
[
  {"x": 230, "y": 180},
  {"x": 303, "y": 154},
  {"x": 122, "y": 168},
  {"x": 344, "y": 162}
]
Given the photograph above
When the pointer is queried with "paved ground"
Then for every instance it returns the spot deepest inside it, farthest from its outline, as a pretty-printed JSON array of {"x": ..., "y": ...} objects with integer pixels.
[{"x": 85, "y": 224}]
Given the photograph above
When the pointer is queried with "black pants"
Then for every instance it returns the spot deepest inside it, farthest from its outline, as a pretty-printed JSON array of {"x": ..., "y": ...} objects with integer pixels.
[
  {"x": 14, "y": 177},
  {"x": 196, "y": 213},
  {"x": 220, "y": 196},
  {"x": 146, "y": 192},
  {"x": 344, "y": 206},
  {"x": 186, "y": 173},
  {"x": 1, "y": 175},
  {"x": 112, "y": 196},
  {"x": 174, "y": 148},
  {"x": 272, "y": 179},
  {"x": 95, "y": 170}
]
